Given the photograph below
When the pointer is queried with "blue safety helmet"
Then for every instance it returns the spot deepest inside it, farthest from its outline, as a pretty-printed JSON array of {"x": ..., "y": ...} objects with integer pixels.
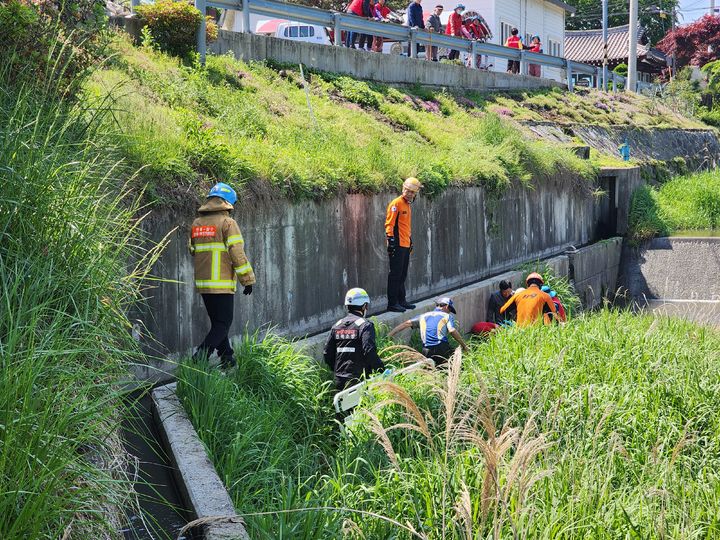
[
  {"x": 547, "y": 289},
  {"x": 223, "y": 191}
]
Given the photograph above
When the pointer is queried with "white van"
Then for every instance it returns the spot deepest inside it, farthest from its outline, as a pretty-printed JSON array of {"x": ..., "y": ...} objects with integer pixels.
[{"x": 281, "y": 28}]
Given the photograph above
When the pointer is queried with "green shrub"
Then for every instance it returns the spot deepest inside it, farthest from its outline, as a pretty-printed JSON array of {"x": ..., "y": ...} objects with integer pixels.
[{"x": 173, "y": 25}]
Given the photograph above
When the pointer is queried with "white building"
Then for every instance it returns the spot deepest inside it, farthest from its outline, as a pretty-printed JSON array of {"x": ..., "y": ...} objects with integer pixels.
[{"x": 544, "y": 18}]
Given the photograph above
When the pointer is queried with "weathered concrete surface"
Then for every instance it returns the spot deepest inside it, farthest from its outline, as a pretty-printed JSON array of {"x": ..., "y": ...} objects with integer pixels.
[
  {"x": 470, "y": 302},
  {"x": 385, "y": 68},
  {"x": 307, "y": 255},
  {"x": 199, "y": 484},
  {"x": 677, "y": 268},
  {"x": 594, "y": 271},
  {"x": 700, "y": 148},
  {"x": 705, "y": 312}
]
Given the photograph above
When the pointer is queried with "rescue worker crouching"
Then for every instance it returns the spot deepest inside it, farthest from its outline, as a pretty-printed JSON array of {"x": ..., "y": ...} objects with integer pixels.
[
  {"x": 216, "y": 245},
  {"x": 531, "y": 303},
  {"x": 434, "y": 329},
  {"x": 351, "y": 351},
  {"x": 398, "y": 225}
]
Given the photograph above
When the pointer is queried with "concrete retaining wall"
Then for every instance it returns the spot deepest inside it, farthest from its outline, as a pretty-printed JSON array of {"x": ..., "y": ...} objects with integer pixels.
[
  {"x": 700, "y": 148},
  {"x": 678, "y": 268},
  {"x": 199, "y": 484},
  {"x": 385, "y": 68},
  {"x": 307, "y": 255},
  {"x": 594, "y": 271}
]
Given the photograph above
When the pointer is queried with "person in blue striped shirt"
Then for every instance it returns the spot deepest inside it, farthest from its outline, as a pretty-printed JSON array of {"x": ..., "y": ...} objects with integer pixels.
[{"x": 435, "y": 326}]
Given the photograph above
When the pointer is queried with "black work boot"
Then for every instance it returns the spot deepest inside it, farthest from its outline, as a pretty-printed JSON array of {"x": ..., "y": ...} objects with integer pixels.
[
  {"x": 397, "y": 308},
  {"x": 407, "y": 305},
  {"x": 227, "y": 362}
]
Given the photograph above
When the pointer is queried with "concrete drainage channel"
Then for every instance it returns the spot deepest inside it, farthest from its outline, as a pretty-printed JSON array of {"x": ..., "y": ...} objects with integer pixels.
[{"x": 594, "y": 270}]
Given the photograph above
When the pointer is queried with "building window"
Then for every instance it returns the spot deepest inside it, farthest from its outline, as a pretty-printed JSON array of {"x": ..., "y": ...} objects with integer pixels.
[
  {"x": 553, "y": 48},
  {"x": 505, "y": 30}
]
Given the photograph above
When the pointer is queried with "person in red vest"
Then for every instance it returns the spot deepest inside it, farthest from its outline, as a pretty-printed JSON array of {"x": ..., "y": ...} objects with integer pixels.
[
  {"x": 514, "y": 42},
  {"x": 536, "y": 47},
  {"x": 455, "y": 28},
  {"x": 380, "y": 13}
]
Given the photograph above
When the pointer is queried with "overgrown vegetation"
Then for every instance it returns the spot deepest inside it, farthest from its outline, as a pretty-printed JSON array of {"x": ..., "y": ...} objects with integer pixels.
[
  {"x": 603, "y": 427},
  {"x": 188, "y": 126},
  {"x": 686, "y": 202},
  {"x": 67, "y": 234}
]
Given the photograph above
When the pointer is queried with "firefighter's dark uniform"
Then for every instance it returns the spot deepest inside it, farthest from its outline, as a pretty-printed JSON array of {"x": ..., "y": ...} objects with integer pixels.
[{"x": 351, "y": 351}]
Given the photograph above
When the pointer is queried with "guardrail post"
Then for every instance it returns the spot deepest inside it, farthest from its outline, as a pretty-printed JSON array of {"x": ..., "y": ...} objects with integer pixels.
[
  {"x": 614, "y": 82},
  {"x": 133, "y": 5},
  {"x": 473, "y": 54},
  {"x": 412, "y": 52},
  {"x": 523, "y": 64},
  {"x": 569, "y": 72},
  {"x": 246, "y": 16},
  {"x": 202, "y": 30},
  {"x": 337, "y": 30}
]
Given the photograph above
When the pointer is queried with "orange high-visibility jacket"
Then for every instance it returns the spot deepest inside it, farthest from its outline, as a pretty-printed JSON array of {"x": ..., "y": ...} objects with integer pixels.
[
  {"x": 216, "y": 243},
  {"x": 398, "y": 220},
  {"x": 530, "y": 304}
]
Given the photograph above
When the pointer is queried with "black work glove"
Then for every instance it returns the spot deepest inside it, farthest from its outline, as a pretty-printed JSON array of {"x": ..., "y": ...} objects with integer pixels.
[
  {"x": 247, "y": 289},
  {"x": 391, "y": 245}
]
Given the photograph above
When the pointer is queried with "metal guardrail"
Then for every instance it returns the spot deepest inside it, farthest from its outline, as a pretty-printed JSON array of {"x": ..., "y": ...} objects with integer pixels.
[{"x": 340, "y": 22}]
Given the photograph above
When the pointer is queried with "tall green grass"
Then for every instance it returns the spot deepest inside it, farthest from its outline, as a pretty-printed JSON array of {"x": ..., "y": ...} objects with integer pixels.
[
  {"x": 602, "y": 428},
  {"x": 67, "y": 236},
  {"x": 686, "y": 202}
]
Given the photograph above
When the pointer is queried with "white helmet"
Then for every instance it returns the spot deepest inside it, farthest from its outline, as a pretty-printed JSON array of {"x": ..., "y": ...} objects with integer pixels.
[{"x": 357, "y": 297}]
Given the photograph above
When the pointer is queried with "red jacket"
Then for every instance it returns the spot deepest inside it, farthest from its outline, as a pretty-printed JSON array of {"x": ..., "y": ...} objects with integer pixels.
[
  {"x": 536, "y": 48},
  {"x": 355, "y": 7},
  {"x": 514, "y": 42},
  {"x": 454, "y": 25}
]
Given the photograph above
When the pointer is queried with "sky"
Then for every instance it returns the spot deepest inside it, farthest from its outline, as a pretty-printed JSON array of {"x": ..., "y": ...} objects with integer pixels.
[{"x": 694, "y": 9}]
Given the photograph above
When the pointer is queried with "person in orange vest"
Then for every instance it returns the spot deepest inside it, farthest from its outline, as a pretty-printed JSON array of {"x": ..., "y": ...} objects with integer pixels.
[
  {"x": 216, "y": 245},
  {"x": 514, "y": 42},
  {"x": 399, "y": 244},
  {"x": 531, "y": 303}
]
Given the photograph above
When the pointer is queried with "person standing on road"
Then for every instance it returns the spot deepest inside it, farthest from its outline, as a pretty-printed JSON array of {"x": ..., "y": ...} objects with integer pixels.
[
  {"x": 435, "y": 25},
  {"x": 531, "y": 303},
  {"x": 381, "y": 12},
  {"x": 351, "y": 351},
  {"x": 434, "y": 329},
  {"x": 455, "y": 28},
  {"x": 535, "y": 70},
  {"x": 398, "y": 221},
  {"x": 514, "y": 42},
  {"x": 415, "y": 20},
  {"x": 216, "y": 245}
]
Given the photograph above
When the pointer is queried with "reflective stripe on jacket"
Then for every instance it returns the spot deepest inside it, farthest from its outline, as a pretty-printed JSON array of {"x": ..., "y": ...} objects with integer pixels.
[{"x": 216, "y": 243}]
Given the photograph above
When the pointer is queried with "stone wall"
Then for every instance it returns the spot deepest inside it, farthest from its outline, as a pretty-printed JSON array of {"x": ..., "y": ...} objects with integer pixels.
[{"x": 385, "y": 68}]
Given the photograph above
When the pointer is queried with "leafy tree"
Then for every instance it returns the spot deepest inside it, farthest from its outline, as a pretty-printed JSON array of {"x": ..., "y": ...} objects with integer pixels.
[
  {"x": 694, "y": 44},
  {"x": 589, "y": 15}
]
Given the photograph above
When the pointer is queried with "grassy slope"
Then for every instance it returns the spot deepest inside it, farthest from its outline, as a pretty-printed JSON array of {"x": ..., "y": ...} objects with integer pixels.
[
  {"x": 610, "y": 423},
  {"x": 189, "y": 127},
  {"x": 686, "y": 202}
]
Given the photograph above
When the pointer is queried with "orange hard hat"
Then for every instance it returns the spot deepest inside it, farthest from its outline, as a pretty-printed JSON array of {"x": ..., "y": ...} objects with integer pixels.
[
  {"x": 534, "y": 275},
  {"x": 413, "y": 184}
]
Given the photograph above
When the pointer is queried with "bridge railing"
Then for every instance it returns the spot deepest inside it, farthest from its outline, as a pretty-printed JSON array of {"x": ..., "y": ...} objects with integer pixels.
[{"x": 341, "y": 22}]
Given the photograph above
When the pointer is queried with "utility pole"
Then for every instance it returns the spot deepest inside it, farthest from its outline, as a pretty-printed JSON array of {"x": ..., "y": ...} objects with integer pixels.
[
  {"x": 631, "y": 83},
  {"x": 712, "y": 7},
  {"x": 605, "y": 45}
]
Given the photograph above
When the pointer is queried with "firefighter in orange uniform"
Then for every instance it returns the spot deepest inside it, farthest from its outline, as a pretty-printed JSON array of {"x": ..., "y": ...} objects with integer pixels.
[
  {"x": 532, "y": 303},
  {"x": 399, "y": 244},
  {"x": 216, "y": 244}
]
